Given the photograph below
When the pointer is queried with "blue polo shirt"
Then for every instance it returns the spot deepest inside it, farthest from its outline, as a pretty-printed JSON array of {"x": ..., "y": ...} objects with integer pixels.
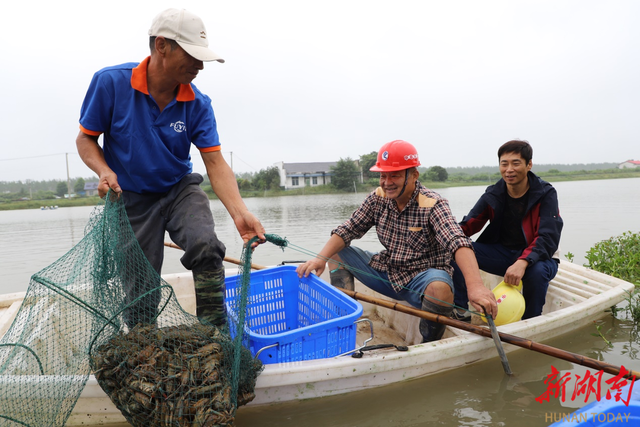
[{"x": 146, "y": 148}]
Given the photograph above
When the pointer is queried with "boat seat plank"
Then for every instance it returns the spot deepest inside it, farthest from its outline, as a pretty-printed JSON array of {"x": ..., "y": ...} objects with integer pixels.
[
  {"x": 584, "y": 282},
  {"x": 578, "y": 288},
  {"x": 559, "y": 298},
  {"x": 6, "y": 318}
]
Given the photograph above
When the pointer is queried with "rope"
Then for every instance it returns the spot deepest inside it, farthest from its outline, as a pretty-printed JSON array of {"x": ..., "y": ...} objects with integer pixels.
[
  {"x": 241, "y": 308},
  {"x": 283, "y": 242}
]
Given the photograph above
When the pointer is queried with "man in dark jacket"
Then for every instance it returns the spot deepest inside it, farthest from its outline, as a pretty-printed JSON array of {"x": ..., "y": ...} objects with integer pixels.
[{"x": 523, "y": 235}]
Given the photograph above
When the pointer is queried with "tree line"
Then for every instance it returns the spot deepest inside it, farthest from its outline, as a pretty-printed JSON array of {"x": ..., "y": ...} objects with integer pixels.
[
  {"x": 346, "y": 172},
  {"x": 345, "y": 175},
  {"x": 11, "y": 191}
]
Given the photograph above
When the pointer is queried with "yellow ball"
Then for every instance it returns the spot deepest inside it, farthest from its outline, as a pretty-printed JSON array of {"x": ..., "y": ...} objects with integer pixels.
[{"x": 510, "y": 303}]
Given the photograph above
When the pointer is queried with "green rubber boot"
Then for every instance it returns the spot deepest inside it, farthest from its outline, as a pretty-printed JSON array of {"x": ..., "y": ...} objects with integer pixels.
[
  {"x": 433, "y": 331},
  {"x": 210, "y": 292}
]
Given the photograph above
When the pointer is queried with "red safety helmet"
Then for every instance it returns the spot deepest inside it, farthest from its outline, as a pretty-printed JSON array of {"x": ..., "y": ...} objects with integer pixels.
[{"x": 396, "y": 156}]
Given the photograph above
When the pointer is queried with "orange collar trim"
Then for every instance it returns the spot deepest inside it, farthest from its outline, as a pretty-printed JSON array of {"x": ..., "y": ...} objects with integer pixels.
[{"x": 139, "y": 83}]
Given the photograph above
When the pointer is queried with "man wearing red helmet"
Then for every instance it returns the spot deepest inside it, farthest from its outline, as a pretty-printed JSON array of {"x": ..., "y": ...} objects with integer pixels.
[{"x": 420, "y": 236}]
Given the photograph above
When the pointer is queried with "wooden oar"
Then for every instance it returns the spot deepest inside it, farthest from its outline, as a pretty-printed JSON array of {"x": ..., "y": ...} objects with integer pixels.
[
  {"x": 508, "y": 338},
  {"x": 227, "y": 259},
  {"x": 498, "y": 344},
  {"x": 511, "y": 339}
]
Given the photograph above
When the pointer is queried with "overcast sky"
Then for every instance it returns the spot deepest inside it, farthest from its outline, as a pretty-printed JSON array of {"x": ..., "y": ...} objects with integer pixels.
[{"x": 314, "y": 80}]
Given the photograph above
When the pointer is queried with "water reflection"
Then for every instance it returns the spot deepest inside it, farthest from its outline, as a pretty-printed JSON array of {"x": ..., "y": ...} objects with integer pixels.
[
  {"x": 32, "y": 239},
  {"x": 477, "y": 395}
]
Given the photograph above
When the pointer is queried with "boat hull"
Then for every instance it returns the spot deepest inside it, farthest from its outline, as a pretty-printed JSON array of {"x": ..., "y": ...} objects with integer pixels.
[{"x": 576, "y": 297}]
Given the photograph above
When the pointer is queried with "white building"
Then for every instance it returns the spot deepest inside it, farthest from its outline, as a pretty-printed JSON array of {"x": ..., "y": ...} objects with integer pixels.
[
  {"x": 299, "y": 175},
  {"x": 629, "y": 164},
  {"x": 91, "y": 188}
]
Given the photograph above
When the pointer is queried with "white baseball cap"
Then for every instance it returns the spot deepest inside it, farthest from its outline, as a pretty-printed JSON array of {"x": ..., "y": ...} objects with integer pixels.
[{"x": 187, "y": 30}]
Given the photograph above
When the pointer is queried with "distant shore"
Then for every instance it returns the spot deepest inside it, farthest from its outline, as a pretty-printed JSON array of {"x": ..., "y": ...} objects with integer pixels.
[{"x": 324, "y": 189}]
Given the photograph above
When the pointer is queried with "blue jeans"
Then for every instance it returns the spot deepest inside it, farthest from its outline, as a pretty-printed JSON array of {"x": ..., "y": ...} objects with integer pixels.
[
  {"x": 357, "y": 262},
  {"x": 496, "y": 259}
]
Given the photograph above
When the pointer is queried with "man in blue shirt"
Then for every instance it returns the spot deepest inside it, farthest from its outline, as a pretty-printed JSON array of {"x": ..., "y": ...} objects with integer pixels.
[{"x": 149, "y": 115}]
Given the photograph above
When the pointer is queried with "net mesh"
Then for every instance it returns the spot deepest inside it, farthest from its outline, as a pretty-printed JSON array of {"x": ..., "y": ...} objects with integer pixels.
[{"x": 158, "y": 364}]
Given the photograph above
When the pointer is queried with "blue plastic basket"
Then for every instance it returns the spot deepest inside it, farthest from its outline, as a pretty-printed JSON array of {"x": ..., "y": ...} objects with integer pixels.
[{"x": 302, "y": 319}]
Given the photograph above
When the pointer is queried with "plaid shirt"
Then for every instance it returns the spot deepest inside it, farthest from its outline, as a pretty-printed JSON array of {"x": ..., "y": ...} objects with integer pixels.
[{"x": 424, "y": 235}]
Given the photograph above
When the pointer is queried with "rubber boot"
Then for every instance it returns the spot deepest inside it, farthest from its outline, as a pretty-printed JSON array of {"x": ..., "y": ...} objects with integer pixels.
[
  {"x": 342, "y": 279},
  {"x": 141, "y": 310},
  {"x": 433, "y": 331},
  {"x": 210, "y": 292}
]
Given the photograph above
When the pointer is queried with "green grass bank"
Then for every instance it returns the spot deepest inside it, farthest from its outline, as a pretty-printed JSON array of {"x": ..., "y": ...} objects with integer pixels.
[{"x": 328, "y": 189}]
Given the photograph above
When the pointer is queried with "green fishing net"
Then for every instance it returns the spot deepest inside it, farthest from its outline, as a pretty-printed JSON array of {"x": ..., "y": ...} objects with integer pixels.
[{"x": 159, "y": 365}]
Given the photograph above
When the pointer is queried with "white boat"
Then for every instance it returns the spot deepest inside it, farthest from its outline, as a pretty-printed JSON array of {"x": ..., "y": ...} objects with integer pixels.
[{"x": 576, "y": 297}]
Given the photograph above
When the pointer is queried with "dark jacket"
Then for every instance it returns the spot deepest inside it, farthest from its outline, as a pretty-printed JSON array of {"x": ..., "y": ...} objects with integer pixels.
[{"x": 541, "y": 224}]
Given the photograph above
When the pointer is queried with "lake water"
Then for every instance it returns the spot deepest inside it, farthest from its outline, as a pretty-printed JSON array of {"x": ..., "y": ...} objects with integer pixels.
[{"x": 478, "y": 395}]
